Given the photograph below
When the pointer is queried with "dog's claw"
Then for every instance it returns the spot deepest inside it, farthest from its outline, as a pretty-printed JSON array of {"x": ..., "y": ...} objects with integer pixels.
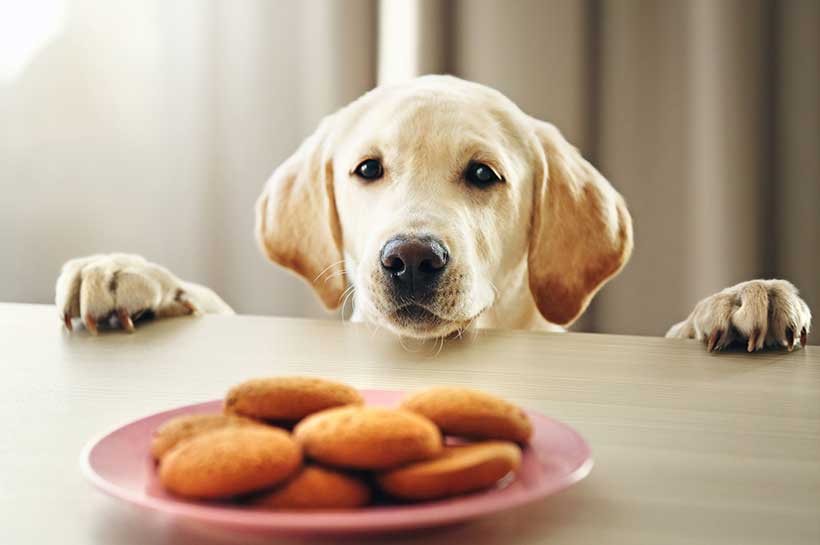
[
  {"x": 125, "y": 320},
  {"x": 790, "y": 338},
  {"x": 182, "y": 300},
  {"x": 67, "y": 322},
  {"x": 713, "y": 339},
  {"x": 753, "y": 340},
  {"x": 803, "y": 337},
  {"x": 91, "y": 324}
]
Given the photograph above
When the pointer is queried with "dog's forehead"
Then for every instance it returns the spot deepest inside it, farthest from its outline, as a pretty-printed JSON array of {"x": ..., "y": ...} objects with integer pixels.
[
  {"x": 435, "y": 113},
  {"x": 437, "y": 120},
  {"x": 440, "y": 113},
  {"x": 432, "y": 91}
]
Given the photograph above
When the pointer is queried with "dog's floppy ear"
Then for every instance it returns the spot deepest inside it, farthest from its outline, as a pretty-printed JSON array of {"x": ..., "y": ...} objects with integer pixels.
[
  {"x": 581, "y": 230},
  {"x": 297, "y": 225}
]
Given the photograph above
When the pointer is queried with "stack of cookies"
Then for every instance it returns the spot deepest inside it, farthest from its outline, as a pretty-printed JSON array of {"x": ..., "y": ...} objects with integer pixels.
[{"x": 310, "y": 443}]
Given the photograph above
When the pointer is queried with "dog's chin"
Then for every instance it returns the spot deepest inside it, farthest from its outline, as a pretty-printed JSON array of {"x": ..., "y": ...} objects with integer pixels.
[{"x": 419, "y": 322}]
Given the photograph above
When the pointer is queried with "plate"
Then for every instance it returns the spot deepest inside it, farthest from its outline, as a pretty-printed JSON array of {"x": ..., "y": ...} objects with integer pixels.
[{"x": 119, "y": 463}]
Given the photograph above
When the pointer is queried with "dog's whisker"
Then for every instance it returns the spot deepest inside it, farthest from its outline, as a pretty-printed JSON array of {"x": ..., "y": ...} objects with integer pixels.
[
  {"x": 337, "y": 273},
  {"x": 474, "y": 332},
  {"x": 344, "y": 304},
  {"x": 468, "y": 327},
  {"x": 460, "y": 331},
  {"x": 350, "y": 287},
  {"x": 326, "y": 269},
  {"x": 346, "y": 295},
  {"x": 372, "y": 328},
  {"x": 346, "y": 291},
  {"x": 495, "y": 289},
  {"x": 440, "y": 347},
  {"x": 405, "y": 347}
]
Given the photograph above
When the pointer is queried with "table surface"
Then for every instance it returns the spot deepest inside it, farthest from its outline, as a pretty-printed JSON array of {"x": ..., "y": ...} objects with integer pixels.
[{"x": 689, "y": 447}]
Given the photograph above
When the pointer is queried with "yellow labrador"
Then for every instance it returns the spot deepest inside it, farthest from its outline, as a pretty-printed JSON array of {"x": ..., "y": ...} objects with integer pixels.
[{"x": 438, "y": 205}]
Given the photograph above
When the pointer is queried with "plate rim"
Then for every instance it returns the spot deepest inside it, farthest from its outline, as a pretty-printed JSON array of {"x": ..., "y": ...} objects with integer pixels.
[{"x": 316, "y": 522}]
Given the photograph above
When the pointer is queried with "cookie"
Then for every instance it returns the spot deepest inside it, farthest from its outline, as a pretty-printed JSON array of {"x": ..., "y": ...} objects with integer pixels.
[
  {"x": 316, "y": 487},
  {"x": 470, "y": 413},
  {"x": 186, "y": 426},
  {"x": 368, "y": 437},
  {"x": 288, "y": 398},
  {"x": 459, "y": 469},
  {"x": 229, "y": 462}
]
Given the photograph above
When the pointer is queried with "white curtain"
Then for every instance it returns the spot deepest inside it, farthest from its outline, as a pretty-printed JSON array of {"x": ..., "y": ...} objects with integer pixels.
[
  {"x": 704, "y": 114},
  {"x": 150, "y": 127}
]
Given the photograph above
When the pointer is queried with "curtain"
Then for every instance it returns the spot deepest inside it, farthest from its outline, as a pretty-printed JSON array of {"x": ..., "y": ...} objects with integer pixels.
[
  {"x": 150, "y": 127},
  {"x": 704, "y": 115}
]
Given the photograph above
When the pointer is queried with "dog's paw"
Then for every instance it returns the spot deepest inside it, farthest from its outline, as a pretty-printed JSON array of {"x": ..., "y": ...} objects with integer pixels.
[
  {"x": 758, "y": 313},
  {"x": 120, "y": 288}
]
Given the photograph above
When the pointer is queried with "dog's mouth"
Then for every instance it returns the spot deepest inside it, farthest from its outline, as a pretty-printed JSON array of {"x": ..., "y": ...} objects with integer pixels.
[
  {"x": 417, "y": 316},
  {"x": 418, "y": 321}
]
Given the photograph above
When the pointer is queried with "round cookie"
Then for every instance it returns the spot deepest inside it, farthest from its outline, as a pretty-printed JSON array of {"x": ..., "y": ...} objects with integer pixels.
[
  {"x": 229, "y": 462},
  {"x": 288, "y": 398},
  {"x": 368, "y": 437},
  {"x": 315, "y": 487},
  {"x": 470, "y": 413},
  {"x": 459, "y": 469},
  {"x": 179, "y": 428}
]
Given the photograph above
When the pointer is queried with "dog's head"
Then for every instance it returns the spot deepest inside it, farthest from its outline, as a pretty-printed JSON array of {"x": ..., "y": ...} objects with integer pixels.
[{"x": 429, "y": 197}]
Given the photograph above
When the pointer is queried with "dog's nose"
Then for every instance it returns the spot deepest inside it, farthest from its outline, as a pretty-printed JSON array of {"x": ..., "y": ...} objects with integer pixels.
[{"x": 414, "y": 264}]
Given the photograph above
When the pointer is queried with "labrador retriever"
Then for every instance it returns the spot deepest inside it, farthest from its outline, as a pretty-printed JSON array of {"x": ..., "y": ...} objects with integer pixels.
[{"x": 437, "y": 205}]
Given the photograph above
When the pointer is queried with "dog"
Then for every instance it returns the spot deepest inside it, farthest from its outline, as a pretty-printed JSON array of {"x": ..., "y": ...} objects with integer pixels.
[{"x": 437, "y": 205}]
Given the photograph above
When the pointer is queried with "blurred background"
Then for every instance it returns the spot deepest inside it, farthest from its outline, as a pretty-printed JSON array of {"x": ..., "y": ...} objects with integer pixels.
[{"x": 150, "y": 127}]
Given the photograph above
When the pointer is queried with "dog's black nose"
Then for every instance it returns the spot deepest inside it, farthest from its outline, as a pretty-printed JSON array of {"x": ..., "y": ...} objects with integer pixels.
[{"x": 414, "y": 263}]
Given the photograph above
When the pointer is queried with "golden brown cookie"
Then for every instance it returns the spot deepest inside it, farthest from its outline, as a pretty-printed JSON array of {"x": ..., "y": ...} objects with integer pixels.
[
  {"x": 457, "y": 470},
  {"x": 229, "y": 462},
  {"x": 288, "y": 398},
  {"x": 186, "y": 426},
  {"x": 470, "y": 413},
  {"x": 315, "y": 487},
  {"x": 368, "y": 437}
]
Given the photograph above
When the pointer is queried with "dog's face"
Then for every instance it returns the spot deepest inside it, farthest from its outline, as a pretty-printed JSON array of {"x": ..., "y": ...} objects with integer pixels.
[
  {"x": 434, "y": 198},
  {"x": 428, "y": 197}
]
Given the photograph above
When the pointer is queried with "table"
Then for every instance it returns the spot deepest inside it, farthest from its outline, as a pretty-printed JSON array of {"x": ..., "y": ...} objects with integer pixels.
[{"x": 689, "y": 447}]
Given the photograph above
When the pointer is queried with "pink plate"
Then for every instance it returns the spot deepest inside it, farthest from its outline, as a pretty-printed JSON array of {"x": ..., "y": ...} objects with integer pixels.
[{"x": 119, "y": 464}]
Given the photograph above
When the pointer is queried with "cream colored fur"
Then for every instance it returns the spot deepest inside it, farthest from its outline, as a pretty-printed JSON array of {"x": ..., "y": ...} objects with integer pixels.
[{"x": 527, "y": 253}]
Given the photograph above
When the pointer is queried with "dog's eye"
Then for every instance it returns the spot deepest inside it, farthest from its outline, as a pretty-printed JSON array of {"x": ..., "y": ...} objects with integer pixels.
[
  {"x": 480, "y": 175},
  {"x": 369, "y": 169}
]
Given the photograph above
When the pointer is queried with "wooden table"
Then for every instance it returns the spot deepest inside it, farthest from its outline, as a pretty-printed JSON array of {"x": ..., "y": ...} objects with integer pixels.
[{"x": 689, "y": 447}]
